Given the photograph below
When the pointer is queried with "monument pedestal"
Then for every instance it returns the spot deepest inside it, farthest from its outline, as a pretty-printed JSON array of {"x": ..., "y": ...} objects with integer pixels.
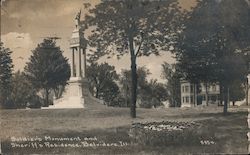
[{"x": 72, "y": 97}]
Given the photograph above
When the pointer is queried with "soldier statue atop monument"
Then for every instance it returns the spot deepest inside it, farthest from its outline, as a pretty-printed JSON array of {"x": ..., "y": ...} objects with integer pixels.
[{"x": 77, "y": 19}]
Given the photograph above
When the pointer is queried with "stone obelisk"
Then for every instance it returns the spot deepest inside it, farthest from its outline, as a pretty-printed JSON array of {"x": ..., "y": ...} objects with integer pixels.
[{"x": 73, "y": 95}]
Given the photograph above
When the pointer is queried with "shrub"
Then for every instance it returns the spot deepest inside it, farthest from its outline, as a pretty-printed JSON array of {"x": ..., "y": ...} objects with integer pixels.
[{"x": 165, "y": 133}]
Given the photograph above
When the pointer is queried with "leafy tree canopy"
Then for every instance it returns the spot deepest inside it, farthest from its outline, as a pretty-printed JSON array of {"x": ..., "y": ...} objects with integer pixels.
[
  {"x": 209, "y": 48},
  {"x": 102, "y": 79},
  {"x": 23, "y": 94},
  {"x": 47, "y": 68},
  {"x": 150, "y": 24},
  {"x": 135, "y": 27},
  {"x": 6, "y": 68},
  {"x": 172, "y": 75},
  {"x": 213, "y": 31}
]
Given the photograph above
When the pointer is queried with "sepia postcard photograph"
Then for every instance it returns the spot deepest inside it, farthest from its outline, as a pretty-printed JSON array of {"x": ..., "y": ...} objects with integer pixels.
[{"x": 130, "y": 77}]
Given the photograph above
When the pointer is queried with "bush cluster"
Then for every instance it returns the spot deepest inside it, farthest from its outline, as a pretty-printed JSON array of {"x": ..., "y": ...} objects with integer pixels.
[{"x": 165, "y": 133}]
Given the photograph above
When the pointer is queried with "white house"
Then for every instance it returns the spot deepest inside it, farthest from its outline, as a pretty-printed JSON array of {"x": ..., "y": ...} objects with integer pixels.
[{"x": 195, "y": 94}]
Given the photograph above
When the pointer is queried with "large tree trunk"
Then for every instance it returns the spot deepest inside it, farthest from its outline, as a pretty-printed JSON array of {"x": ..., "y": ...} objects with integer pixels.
[
  {"x": 221, "y": 95},
  {"x": 225, "y": 99},
  {"x": 247, "y": 89},
  {"x": 195, "y": 97},
  {"x": 133, "y": 86},
  {"x": 46, "y": 97},
  {"x": 133, "y": 77},
  {"x": 206, "y": 87}
]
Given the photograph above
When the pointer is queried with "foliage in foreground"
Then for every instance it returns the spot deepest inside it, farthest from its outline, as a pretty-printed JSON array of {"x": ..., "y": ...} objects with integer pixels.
[{"x": 166, "y": 133}]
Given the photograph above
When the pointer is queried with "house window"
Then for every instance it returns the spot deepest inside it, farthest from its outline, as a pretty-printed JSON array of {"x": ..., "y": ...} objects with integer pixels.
[
  {"x": 183, "y": 100},
  {"x": 187, "y": 99},
  {"x": 203, "y": 97},
  {"x": 183, "y": 90},
  {"x": 213, "y": 88},
  {"x": 191, "y": 88},
  {"x": 186, "y": 89},
  {"x": 191, "y": 99}
]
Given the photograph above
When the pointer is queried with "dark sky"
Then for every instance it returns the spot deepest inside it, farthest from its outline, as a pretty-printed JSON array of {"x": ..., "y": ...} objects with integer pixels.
[{"x": 24, "y": 23}]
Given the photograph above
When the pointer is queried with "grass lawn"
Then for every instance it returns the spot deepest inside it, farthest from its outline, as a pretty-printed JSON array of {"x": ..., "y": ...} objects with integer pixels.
[{"x": 111, "y": 125}]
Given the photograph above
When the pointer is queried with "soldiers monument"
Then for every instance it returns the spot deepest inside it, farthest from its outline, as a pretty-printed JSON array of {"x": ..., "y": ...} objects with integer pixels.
[{"x": 73, "y": 95}]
